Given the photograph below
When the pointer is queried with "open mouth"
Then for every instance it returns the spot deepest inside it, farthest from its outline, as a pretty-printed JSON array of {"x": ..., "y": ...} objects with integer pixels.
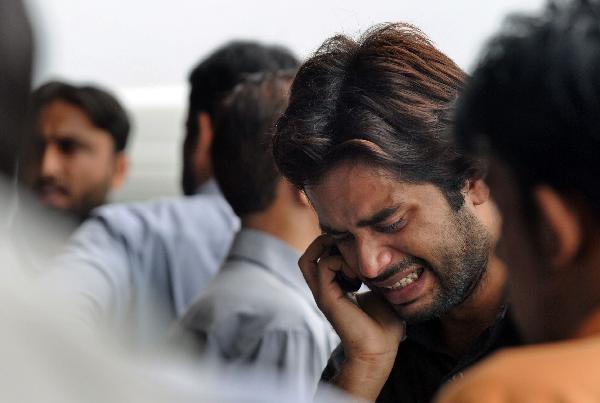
[{"x": 405, "y": 281}]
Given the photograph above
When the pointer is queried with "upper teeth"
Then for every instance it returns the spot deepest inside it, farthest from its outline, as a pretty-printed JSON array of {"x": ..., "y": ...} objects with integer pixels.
[{"x": 405, "y": 281}]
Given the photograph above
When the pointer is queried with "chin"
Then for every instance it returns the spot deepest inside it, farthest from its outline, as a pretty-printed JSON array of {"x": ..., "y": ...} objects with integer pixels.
[{"x": 416, "y": 312}]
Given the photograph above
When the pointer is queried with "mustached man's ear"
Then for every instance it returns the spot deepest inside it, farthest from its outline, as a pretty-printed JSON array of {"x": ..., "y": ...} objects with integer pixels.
[
  {"x": 477, "y": 191},
  {"x": 121, "y": 167},
  {"x": 563, "y": 222}
]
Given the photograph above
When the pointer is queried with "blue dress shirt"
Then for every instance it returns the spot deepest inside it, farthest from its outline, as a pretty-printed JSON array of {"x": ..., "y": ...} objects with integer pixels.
[{"x": 136, "y": 267}]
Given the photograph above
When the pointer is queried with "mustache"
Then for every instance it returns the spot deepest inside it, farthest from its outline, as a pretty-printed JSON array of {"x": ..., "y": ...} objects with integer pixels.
[
  {"x": 46, "y": 182},
  {"x": 399, "y": 267}
]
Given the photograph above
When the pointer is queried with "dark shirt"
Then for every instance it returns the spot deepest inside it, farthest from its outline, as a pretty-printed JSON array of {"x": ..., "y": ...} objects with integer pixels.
[{"x": 422, "y": 366}]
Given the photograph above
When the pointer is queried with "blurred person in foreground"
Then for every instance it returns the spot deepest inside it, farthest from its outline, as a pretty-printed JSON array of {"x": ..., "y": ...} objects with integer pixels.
[
  {"x": 367, "y": 136},
  {"x": 136, "y": 267},
  {"x": 43, "y": 356},
  {"x": 258, "y": 313},
  {"x": 16, "y": 62},
  {"x": 78, "y": 154},
  {"x": 533, "y": 107}
]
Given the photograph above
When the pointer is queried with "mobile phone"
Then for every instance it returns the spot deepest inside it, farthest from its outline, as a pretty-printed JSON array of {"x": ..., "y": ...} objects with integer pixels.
[{"x": 347, "y": 284}]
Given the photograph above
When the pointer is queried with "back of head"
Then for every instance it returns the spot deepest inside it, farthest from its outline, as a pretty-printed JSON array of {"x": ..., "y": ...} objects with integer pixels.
[
  {"x": 15, "y": 77},
  {"x": 534, "y": 99},
  {"x": 384, "y": 99},
  {"x": 216, "y": 76},
  {"x": 101, "y": 107},
  {"x": 241, "y": 152}
]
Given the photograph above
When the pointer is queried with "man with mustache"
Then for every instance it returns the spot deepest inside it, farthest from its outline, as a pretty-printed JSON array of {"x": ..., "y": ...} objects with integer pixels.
[
  {"x": 79, "y": 154},
  {"x": 366, "y": 136}
]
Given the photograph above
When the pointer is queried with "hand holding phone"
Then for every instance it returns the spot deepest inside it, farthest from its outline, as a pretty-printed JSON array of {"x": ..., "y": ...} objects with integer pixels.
[{"x": 369, "y": 328}]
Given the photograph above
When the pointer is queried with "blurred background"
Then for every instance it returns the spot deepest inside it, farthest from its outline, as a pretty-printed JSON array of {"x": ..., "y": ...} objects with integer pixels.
[{"x": 143, "y": 49}]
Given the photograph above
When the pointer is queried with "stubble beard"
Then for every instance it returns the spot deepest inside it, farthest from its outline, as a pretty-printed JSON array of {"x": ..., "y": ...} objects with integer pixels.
[{"x": 464, "y": 265}]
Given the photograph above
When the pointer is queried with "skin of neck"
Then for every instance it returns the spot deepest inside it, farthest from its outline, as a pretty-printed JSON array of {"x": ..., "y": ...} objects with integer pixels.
[
  {"x": 465, "y": 323},
  {"x": 288, "y": 218}
]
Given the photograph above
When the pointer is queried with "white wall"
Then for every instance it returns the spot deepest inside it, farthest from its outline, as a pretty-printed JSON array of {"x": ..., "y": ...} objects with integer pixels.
[{"x": 143, "y": 49}]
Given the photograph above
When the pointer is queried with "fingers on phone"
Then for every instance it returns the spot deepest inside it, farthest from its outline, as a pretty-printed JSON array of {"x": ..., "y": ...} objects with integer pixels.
[
  {"x": 315, "y": 251},
  {"x": 309, "y": 261}
]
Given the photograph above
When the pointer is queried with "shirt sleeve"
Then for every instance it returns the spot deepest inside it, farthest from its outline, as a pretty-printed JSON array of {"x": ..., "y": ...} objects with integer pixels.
[{"x": 92, "y": 272}]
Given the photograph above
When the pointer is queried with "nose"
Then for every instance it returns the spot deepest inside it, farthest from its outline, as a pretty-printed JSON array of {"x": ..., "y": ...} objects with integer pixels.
[
  {"x": 50, "y": 162},
  {"x": 372, "y": 256}
]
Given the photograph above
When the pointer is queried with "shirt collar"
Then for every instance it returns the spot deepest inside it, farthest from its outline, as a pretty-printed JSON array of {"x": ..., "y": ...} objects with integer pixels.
[
  {"x": 274, "y": 256},
  {"x": 428, "y": 333}
]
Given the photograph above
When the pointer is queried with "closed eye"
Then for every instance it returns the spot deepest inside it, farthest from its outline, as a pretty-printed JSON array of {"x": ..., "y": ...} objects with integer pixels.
[{"x": 393, "y": 227}]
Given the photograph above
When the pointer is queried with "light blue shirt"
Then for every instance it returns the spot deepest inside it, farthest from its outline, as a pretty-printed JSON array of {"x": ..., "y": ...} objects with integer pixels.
[
  {"x": 258, "y": 313},
  {"x": 136, "y": 267}
]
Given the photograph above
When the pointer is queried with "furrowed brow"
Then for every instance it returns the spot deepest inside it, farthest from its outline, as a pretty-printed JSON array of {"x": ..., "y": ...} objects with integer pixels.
[{"x": 378, "y": 217}]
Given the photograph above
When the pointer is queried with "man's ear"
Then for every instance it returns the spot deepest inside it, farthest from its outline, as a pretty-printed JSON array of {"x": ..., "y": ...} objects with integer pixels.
[
  {"x": 302, "y": 198},
  {"x": 120, "y": 170},
  {"x": 477, "y": 191},
  {"x": 297, "y": 195},
  {"x": 202, "y": 161},
  {"x": 205, "y": 133},
  {"x": 562, "y": 221}
]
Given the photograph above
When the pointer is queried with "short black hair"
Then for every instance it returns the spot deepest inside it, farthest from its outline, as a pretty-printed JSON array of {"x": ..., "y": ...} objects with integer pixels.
[
  {"x": 385, "y": 99},
  {"x": 101, "y": 107},
  {"x": 216, "y": 76},
  {"x": 534, "y": 99},
  {"x": 243, "y": 162}
]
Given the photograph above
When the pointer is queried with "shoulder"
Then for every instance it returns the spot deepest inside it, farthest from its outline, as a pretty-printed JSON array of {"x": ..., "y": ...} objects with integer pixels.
[
  {"x": 168, "y": 211},
  {"x": 531, "y": 374},
  {"x": 244, "y": 294},
  {"x": 145, "y": 221}
]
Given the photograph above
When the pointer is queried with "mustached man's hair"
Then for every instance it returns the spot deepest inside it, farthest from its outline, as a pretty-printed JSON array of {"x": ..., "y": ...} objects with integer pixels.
[{"x": 101, "y": 107}]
